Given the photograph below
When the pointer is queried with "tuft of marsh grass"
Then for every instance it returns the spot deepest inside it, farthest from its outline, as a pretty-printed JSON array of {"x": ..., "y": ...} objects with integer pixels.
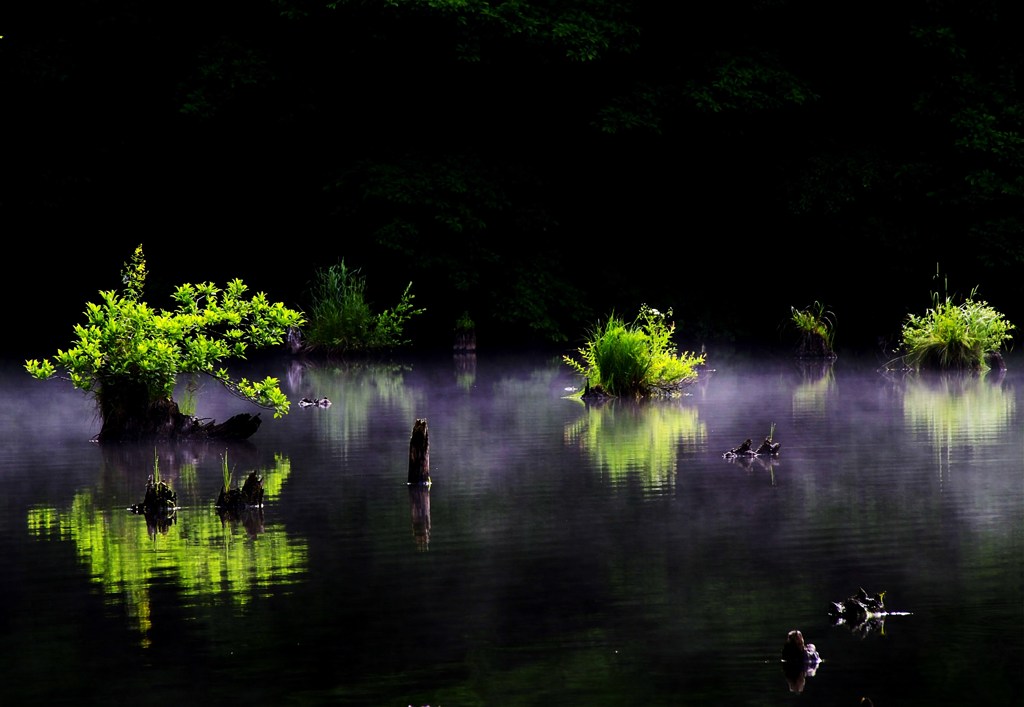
[
  {"x": 635, "y": 358},
  {"x": 951, "y": 336},
  {"x": 816, "y": 327},
  {"x": 341, "y": 319}
]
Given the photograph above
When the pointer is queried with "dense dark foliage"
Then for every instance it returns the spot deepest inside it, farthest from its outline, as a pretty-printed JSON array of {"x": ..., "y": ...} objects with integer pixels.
[{"x": 538, "y": 164}]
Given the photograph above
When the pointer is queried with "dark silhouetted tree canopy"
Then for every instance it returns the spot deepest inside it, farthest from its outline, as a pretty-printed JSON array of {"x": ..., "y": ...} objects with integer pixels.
[{"x": 537, "y": 163}]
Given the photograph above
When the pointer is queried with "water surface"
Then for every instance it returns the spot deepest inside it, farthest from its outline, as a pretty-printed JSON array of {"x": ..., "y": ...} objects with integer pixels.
[{"x": 565, "y": 554}]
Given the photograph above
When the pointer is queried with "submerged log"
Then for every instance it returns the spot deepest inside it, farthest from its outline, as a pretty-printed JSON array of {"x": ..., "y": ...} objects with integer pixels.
[
  {"x": 419, "y": 454},
  {"x": 241, "y": 426}
]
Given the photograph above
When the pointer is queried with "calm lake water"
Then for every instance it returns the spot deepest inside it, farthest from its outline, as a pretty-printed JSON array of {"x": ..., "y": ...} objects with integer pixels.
[{"x": 565, "y": 554}]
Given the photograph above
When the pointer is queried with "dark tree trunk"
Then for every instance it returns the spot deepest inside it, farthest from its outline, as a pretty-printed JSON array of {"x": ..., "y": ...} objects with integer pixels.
[
  {"x": 419, "y": 454},
  {"x": 814, "y": 346},
  {"x": 129, "y": 415}
]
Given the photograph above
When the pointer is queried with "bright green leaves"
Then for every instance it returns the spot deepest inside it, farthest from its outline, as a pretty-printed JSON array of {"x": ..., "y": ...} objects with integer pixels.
[
  {"x": 266, "y": 393},
  {"x": 133, "y": 274},
  {"x": 124, "y": 339}
]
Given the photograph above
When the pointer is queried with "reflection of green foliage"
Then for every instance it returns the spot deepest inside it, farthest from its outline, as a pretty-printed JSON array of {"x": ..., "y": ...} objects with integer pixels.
[
  {"x": 352, "y": 388},
  {"x": 958, "y": 406},
  {"x": 204, "y": 555},
  {"x": 817, "y": 385},
  {"x": 465, "y": 370},
  {"x": 626, "y": 439},
  {"x": 274, "y": 482}
]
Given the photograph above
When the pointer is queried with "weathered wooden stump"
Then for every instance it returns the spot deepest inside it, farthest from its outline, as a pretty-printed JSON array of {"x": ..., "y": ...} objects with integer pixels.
[
  {"x": 160, "y": 506},
  {"x": 419, "y": 454}
]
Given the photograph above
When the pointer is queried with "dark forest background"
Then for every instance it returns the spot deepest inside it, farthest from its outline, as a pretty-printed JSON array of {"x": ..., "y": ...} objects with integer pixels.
[{"x": 537, "y": 164}]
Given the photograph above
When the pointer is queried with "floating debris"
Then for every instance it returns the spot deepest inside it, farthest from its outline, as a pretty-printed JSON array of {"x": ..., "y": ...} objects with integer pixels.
[
  {"x": 768, "y": 447},
  {"x": 863, "y": 613}
]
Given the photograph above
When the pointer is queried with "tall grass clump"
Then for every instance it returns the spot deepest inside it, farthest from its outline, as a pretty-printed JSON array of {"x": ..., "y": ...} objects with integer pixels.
[
  {"x": 816, "y": 327},
  {"x": 951, "y": 336},
  {"x": 634, "y": 358},
  {"x": 340, "y": 317}
]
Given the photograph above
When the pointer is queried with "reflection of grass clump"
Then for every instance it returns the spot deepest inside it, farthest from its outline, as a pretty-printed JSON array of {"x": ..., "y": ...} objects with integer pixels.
[
  {"x": 625, "y": 439},
  {"x": 635, "y": 359}
]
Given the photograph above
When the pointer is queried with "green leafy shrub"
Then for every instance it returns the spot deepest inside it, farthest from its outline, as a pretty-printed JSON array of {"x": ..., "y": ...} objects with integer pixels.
[
  {"x": 950, "y": 336},
  {"x": 340, "y": 318},
  {"x": 635, "y": 359},
  {"x": 129, "y": 355}
]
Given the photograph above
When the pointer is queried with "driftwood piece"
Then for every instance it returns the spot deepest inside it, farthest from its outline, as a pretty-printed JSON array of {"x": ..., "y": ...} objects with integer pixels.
[
  {"x": 240, "y": 426},
  {"x": 768, "y": 447},
  {"x": 419, "y": 454},
  {"x": 862, "y": 613}
]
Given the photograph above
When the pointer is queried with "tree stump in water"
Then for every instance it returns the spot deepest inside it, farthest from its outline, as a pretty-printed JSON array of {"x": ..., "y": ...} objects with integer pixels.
[
  {"x": 419, "y": 454},
  {"x": 160, "y": 506},
  {"x": 236, "y": 500},
  {"x": 129, "y": 415}
]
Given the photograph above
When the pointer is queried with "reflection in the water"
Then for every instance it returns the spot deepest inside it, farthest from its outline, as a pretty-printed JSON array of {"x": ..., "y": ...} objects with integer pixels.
[
  {"x": 628, "y": 438},
  {"x": 958, "y": 411},
  {"x": 419, "y": 502},
  {"x": 465, "y": 370},
  {"x": 353, "y": 388},
  {"x": 561, "y": 548},
  {"x": 126, "y": 557},
  {"x": 818, "y": 382},
  {"x": 757, "y": 463},
  {"x": 973, "y": 408}
]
